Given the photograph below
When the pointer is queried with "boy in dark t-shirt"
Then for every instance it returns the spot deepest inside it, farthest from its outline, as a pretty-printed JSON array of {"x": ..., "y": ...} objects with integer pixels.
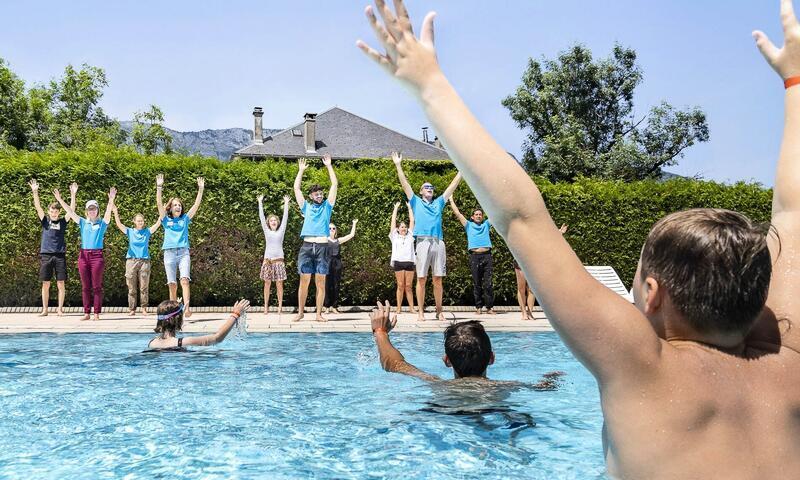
[{"x": 53, "y": 250}]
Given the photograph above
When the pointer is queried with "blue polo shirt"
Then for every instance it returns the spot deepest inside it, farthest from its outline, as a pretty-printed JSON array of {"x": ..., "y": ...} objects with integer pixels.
[
  {"x": 92, "y": 234},
  {"x": 478, "y": 235},
  {"x": 316, "y": 219},
  {"x": 427, "y": 216},
  {"x": 138, "y": 243},
  {"x": 176, "y": 231}
]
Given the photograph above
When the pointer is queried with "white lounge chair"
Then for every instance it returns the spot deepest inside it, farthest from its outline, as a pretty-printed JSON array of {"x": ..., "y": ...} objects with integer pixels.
[{"x": 608, "y": 277}]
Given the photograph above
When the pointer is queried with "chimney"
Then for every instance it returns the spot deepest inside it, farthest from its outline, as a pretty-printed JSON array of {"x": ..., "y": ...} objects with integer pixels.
[
  {"x": 425, "y": 134},
  {"x": 309, "y": 132},
  {"x": 258, "y": 130}
]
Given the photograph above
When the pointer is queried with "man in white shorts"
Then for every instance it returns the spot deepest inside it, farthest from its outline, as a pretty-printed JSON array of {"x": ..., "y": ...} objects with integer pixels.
[{"x": 430, "y": 251}]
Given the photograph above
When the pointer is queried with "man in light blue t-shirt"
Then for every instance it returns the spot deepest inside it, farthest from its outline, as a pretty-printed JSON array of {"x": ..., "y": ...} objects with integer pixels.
[
  {"x": 480, "y": 257},
  {"x": 430, "y": 250},
  {"x": 314, "y": 256}
]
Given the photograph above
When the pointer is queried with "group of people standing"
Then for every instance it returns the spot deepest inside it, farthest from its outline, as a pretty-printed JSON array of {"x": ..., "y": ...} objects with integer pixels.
[
  {"x": 91, "y": 260},
  {"x": 418, "y": 247}
]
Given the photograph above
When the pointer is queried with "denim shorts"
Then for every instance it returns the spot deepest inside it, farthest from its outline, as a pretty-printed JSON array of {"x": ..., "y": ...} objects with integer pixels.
[
  {"x": 177, "y": 259},
  {"x": 313, "y": 258}
]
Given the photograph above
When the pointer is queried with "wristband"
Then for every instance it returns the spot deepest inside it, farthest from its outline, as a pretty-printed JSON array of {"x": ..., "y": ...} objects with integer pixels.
[
  {"x": 235, "y": 314},
  {"x": 379, "y": 329},
  {"x": 791, "y": 82}
]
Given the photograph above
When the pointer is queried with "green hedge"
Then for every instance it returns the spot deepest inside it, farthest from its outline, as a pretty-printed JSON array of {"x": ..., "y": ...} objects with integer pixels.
[{"x": 608, "y": 221}]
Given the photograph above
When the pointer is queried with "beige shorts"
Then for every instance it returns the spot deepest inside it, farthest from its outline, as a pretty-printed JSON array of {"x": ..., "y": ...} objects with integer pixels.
[{"x": 431, "y": 254}]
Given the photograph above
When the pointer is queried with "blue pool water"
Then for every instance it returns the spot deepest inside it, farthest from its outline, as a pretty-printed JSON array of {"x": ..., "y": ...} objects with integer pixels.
[{"x": 287, "y": 406}]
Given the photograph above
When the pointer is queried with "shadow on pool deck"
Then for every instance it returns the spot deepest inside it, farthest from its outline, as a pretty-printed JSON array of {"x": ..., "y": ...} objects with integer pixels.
[{"x": 208, "y": 319}]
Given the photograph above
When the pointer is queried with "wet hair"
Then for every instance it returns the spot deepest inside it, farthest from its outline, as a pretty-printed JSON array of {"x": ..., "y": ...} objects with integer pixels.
[
  {"x": 170, "y": 203},
  {"x": 172, "y": 324},
  {"x": 276, "y": 218},
  {"x": 715, "y": 266},
  {"x": 315, "y": 188},
  {"x": 468, "y": 347}
]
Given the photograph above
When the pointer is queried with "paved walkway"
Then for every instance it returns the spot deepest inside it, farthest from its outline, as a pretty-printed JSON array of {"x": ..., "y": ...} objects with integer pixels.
[{"x": 208, "y": 319}]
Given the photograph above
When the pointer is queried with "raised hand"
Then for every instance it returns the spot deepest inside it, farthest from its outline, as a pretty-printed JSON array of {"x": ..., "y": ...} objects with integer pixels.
[
  {"x": 73, "y": 188},
  {"x": 302, "y": 164},
  {"x": 380, "y": 318},
  {"x": 160, "y": 180},
  {"x": 563, "y": 228},
  {"x": 326, "y": 160},
  {"x": 34, "y": 185},
  {"x": 397, "y": 158},
  {"x": 396, "y": 206},
  {"x": 785, "y": 60},
  {"x": 286, "y": 199},
  {"x": 241, "y": 307},
  {"x": 201, "y": 183},
  {"x": 409, "y": 60},
  {"x": 112, "y": 194},
  {"x": 260, "y": 198},
  {"x": 355, "y": 222},
  {"x": 57, "y": 194}
]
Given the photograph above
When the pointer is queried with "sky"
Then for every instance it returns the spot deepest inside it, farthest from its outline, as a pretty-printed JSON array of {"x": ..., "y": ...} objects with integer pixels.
[{"x": 207, "y": 64}]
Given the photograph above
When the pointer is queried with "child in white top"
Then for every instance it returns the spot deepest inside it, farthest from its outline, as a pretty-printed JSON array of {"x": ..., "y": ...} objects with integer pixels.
[
  {"x": 273, "y": 268},
  {"x": 403, "y": 257}
]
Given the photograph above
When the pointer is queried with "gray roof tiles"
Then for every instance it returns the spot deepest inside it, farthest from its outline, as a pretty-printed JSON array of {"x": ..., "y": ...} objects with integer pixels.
[{"x": 342, "y": 134}]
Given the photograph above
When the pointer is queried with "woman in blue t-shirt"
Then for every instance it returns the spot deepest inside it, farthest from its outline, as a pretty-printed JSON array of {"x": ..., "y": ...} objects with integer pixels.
[
  {"x": 137, "y": 263},
  {"x": 91, "y": 263},
  {"x": 176, "y": 239}
]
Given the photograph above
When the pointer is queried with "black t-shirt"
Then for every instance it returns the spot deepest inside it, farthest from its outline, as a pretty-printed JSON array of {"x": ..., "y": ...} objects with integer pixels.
[{"x": 53, "y": 235}]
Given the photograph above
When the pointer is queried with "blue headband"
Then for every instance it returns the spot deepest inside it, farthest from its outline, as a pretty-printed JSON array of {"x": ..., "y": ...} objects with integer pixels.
[{"x": 170, "y": 315}]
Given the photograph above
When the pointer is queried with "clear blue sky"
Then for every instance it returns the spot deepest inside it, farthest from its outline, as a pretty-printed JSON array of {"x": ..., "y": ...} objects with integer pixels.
[{"x": 206, "y": 64}]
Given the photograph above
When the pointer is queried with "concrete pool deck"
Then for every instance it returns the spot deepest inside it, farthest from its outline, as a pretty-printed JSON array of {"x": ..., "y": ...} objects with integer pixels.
[{"x": 15, "y": 320}]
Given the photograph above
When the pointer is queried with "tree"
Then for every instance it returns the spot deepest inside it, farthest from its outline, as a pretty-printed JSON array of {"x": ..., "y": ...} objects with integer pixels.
[
  {"x": 579, "y": 113},
  {"x": 13, "y": 108},
  {"x": 149, "y": 133},
  {"x": 77, "y": 120}
]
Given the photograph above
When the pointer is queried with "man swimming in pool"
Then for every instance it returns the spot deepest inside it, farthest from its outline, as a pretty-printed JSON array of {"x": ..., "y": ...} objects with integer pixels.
[
  {"x": 698, "y": 378},
  {"x": 467, "y": 350}
]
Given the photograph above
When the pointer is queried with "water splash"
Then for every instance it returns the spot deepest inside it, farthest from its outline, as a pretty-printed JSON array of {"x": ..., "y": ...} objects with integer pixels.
[{"x": 240, "y": 327}]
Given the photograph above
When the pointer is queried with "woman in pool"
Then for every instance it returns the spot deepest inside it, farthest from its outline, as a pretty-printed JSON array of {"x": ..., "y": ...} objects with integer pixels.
[
  {"x": 170, "y": 321},
  {"x": 176, "y": 239},
  {"x": 91, "y": 263},
  {"x": 137, "y": 263},
  {"x": 273, "y": 268},
  {"x": 334, "y": 277},
  {"x": 403, "y": 257}
]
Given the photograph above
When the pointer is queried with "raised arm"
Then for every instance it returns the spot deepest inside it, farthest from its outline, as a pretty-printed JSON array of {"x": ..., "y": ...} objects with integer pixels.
[
  {"x": 112, "y": 195},
  {"x": 37, "y": 204},
  {"x": 786, "y": 196},
  {"x": 73, "y": 190},
  {"x": 393, "y": 224},
  {"x": 452, "y": 187},
  {"x": 614, "y": 342},
  {"x": 261, "y": 216},
  {"x": 154, "y": 227},
  {"x": 410, "y": 217},
  {"x": 391, "y": 358},
  {"x": 285, "y": 218},
  {"x": 207, "y": 340},
  {"x": 350, "y": 235},
  {"x": 120, "y": 226},
  {"x": 398, "y": 160},
  {"x": 70, "y": 211},
  {"x": 201, "y": 186},
  {"x": 162, "y": 210},
  {"x": 298, "y": 180},
  {"x": 459, "y": 216},
  {"x": 326, "y": 160}
]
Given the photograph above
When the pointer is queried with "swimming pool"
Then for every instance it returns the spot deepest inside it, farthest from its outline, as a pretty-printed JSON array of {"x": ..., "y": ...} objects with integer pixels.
[{"x": 286, "y": 406}]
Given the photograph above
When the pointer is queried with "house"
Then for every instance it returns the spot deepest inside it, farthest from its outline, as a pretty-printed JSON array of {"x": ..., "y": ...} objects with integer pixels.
[{"x": 342, "y": 135}]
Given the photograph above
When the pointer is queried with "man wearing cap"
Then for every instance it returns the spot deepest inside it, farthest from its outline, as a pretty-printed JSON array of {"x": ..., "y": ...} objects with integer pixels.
[{"x": 430, "y": 250}]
